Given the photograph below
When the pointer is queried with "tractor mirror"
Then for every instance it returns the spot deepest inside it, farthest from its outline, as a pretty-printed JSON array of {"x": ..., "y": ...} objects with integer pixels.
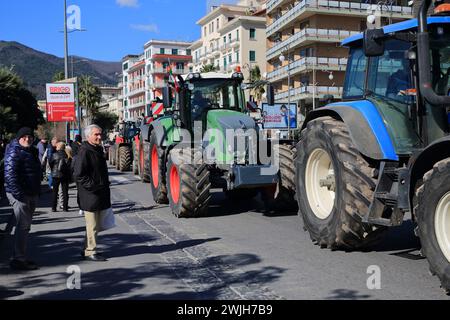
[
  {"x": 270, "y": 92},
  {"x": 167, "y": 97},
  {"x": 373, "y": 44}
]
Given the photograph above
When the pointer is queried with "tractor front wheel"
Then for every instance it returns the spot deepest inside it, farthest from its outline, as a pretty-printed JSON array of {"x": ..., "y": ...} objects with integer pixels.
[
  {"x": 124, "y": 158},
  {"x": 433, "y": 220},
  {"x": 335, "y": 186},
  {"x": 188, "y": 184},
  {"x": 157, "y": 171}
]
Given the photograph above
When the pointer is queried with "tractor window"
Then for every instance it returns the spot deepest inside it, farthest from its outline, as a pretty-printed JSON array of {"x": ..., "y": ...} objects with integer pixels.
[
  {"x": 440, "y": 51},
  {"x": 389, "y": 74},
  {"x": 355, "y": 75},
  {"x": 215, "y": 94}
]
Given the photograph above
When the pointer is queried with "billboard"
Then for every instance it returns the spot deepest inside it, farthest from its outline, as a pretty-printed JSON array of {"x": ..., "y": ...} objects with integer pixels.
[
  {"x": 277, "y": 116},
  {"x": 60, "y": 102}
]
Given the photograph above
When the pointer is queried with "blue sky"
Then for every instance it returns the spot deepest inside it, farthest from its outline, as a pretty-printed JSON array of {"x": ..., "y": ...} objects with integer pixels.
[{"x": 114, "y": 27}]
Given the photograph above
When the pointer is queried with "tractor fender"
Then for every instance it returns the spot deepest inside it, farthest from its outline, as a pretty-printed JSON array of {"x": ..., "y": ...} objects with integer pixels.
[
  {"x": 365, "y": 124},
  {"x": 161, "y": 134},
  {"x": 145, "y": 132},
  {"x": 424, "y": 161}
]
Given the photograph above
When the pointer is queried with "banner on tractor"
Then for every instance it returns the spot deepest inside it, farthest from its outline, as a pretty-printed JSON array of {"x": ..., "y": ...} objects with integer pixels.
[
  {"x": 278, "y": 117},
  {"x": 60, "y": 102}
]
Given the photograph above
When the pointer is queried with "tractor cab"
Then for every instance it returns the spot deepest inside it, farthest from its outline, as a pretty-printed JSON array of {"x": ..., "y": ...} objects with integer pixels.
[{"x": 200, "y": 95}]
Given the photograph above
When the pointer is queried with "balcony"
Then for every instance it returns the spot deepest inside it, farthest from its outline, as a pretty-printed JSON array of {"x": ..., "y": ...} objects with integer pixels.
[
  {"x": 231, "y": 44},
  {"x": 136, "y": 92},
  {"x": 312, "y": 35},
  {"x": 336, "y": 7},
  {"x": 307, "y": 92},
  {"x": 272, "y": 4},
  {"x": 307, "y": 64},
  {"x": 136, "y": 105},
  {"x": 157, "y": 85}
]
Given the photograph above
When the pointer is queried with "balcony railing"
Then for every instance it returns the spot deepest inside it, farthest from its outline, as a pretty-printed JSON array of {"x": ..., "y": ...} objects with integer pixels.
[
  {"x": 315, "y": 34},
  {"x": 307, "y": 63},
  {"x": 349, "y": 7},
  {"x": 157, "y": 85},
  {"x": 136, "y": 91},
  {"x": 229, "y": 44},
  {"x": 307, "y": 91},
  {"x": 272, "y": 4},
  {"x": 136, "y": 105}
]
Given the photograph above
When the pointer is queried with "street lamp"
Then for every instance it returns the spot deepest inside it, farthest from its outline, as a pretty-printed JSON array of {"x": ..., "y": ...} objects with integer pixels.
[
  {"x": 330, "y": 76},
  {"x": 282, "y": 59}
]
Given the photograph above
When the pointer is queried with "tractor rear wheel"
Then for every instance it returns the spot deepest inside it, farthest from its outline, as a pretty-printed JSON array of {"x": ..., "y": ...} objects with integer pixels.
[
  {"x": 281, "y": 197},
  {"x": 188, "y": 184},
  {"x": 157, "y": 171},
  {"x": 433, "y": 220},
  {"x": 335, "y": 187},
  {"x": 124, "y": 158}
]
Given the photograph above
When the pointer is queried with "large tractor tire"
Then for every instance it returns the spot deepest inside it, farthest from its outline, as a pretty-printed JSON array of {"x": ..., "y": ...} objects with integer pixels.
[
  {"x": 157, "y": 171},
  {"x": 188, "y": 184},
  {"x": 144, "y": 165},
  {"x": 282, "y": 196},
  {"x": 335, "y": 187},
  {"x": 125, "y": 158},
  {"x": 135, "y": 159},
  {"x": 433, "y": 220}
]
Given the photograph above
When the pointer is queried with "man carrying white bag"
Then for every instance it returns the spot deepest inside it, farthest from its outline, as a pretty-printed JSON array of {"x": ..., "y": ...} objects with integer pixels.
[{"x": 94, "y": 195}]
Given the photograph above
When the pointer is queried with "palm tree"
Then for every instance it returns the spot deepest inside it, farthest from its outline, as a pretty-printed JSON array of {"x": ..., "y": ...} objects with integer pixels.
[
  {"x": 59, "y": 76},
  {"x": 257, "y": 83},
  {"x": 89, "y": 96}
]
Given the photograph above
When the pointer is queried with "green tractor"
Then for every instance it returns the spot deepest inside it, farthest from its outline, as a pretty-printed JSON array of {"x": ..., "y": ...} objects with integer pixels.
[
  {"x": 384, "y": 151},
  {"x": 206, "y": 140}
]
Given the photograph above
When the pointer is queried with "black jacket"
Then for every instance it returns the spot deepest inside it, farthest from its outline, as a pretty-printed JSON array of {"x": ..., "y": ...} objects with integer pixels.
[
  {"x": 91, "y": 174},
  {"x": 22, "y": 171},
  {"x": 60, "y": 165}
]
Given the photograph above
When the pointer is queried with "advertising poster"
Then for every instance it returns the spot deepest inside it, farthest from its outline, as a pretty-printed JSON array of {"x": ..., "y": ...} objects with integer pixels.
[
  {"x": 60, "y": 102},
  {"x": 277, "y": 116}
]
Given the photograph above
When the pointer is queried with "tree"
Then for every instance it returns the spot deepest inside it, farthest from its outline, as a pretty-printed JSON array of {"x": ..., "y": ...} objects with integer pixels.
[
  {"x": 18, "y": 106},
  {"x": 89, "y": 96},
  {"x": 208, "y": 68},
  {"x": 106, "y": 120},
  {"x": 59, "y": 76},
  {"x": 258, "y": 85}
]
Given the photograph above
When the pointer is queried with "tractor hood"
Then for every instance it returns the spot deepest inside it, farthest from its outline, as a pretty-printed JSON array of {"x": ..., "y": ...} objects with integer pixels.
[{"x": 229, "y": 119}]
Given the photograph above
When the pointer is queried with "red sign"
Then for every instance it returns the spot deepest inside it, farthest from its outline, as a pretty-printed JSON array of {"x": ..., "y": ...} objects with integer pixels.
[
  {"x": 61, "y": 112},
  {"x": 60, "y": 103}
]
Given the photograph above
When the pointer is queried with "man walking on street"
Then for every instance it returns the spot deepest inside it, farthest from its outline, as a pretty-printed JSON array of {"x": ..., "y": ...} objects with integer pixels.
[
  {"x": 23, "y": 182},
  {"x": 94, "y": 196}
]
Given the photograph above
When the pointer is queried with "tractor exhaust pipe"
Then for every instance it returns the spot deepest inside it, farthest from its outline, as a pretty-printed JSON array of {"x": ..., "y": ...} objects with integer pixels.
[{"x": 423, "y": 48}]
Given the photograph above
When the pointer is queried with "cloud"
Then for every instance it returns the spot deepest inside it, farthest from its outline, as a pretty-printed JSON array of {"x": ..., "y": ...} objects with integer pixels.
[
  {"x": 128, "y": 3},
  {"x": 146, "y": 27}
]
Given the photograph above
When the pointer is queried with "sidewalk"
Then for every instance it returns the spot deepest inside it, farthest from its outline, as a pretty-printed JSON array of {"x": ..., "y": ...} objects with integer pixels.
[{"x": 135, "y": 270}]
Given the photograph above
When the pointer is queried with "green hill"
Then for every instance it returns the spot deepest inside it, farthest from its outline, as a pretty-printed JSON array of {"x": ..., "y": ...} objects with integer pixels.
[{"x": 38, "y": 68}]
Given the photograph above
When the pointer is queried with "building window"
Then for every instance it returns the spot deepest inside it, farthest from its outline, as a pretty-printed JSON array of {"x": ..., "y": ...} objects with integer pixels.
[
  {"x": 237, "y": 34},
  {"x": 229, "y": 59},
  {"x": 204, "y": 31},
  {"x": 175, "y": 52},
  {"x": 229, "y": 37},
  {"x": 217, "y": 23},
  {"x": 212, "y": 26},
  {"x": 252, "y": 33},
  {"x": 125, "y": 66},
  {"x": 224, "y": 40},
  {"x": 188, "y": 52},
  {"x": 225, "y": 62},
  {"x": 237, "y": 56},
  {"x": 165, "y": 65},
  {"x": 162, "y": 51},
  {"x": 252, "y": 56},
  {"x": 180, "y": 65}
]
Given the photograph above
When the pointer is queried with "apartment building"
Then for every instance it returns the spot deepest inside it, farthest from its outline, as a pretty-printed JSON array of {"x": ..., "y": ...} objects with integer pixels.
[
  {"x": 303, "y": 44},
  {"x": 112, "y": 100},
  {"x": 231, "y": 36},
  {"x": 159, "y": 56},
  {"x": 133, "y": 68}
]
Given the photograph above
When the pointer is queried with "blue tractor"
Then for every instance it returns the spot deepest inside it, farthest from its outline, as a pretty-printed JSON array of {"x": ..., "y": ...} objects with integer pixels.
[{"x": 384, "y": 151}]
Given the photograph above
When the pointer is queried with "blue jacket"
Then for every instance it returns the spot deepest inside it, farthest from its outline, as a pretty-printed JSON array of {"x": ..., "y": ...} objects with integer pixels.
[{"x": 22, "y": 171}]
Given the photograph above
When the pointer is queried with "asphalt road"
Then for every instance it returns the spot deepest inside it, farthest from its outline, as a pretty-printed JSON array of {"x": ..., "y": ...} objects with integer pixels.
[
  {"x": 271, "y": 257},
  {"x": 235, "y": 252}
]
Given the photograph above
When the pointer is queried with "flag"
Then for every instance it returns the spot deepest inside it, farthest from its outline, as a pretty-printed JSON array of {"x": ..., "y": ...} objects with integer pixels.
[{"x": 174, "y": 79}]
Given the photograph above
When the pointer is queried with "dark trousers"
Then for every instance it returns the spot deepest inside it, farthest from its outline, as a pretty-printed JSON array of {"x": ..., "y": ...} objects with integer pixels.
[{"x": 65, "y": 189}]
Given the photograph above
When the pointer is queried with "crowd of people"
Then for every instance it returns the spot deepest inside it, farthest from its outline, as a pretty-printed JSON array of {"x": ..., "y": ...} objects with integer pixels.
[{"x": 26, "y": 164}]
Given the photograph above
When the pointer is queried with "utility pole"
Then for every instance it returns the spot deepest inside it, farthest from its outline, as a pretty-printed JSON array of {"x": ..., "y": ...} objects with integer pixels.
[{"x": 66, "y": 62}]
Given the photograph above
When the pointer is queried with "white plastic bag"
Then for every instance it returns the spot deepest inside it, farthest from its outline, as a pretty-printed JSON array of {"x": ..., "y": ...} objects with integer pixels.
[{"x": 107, "y": 220}]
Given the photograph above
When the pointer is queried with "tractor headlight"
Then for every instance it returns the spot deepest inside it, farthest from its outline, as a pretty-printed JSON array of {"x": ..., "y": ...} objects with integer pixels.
[
  {"x": 195, "y": 75},
  {"x": 237, "y": 75}
]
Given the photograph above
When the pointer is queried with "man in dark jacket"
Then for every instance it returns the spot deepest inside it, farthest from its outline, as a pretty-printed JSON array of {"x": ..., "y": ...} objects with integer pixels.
[
  {"x": 22, "y": 182},
  {"x": 75, "y": 145},
  {"x": 60, "y": 165},
  {"x": 94, "y": 196}
]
